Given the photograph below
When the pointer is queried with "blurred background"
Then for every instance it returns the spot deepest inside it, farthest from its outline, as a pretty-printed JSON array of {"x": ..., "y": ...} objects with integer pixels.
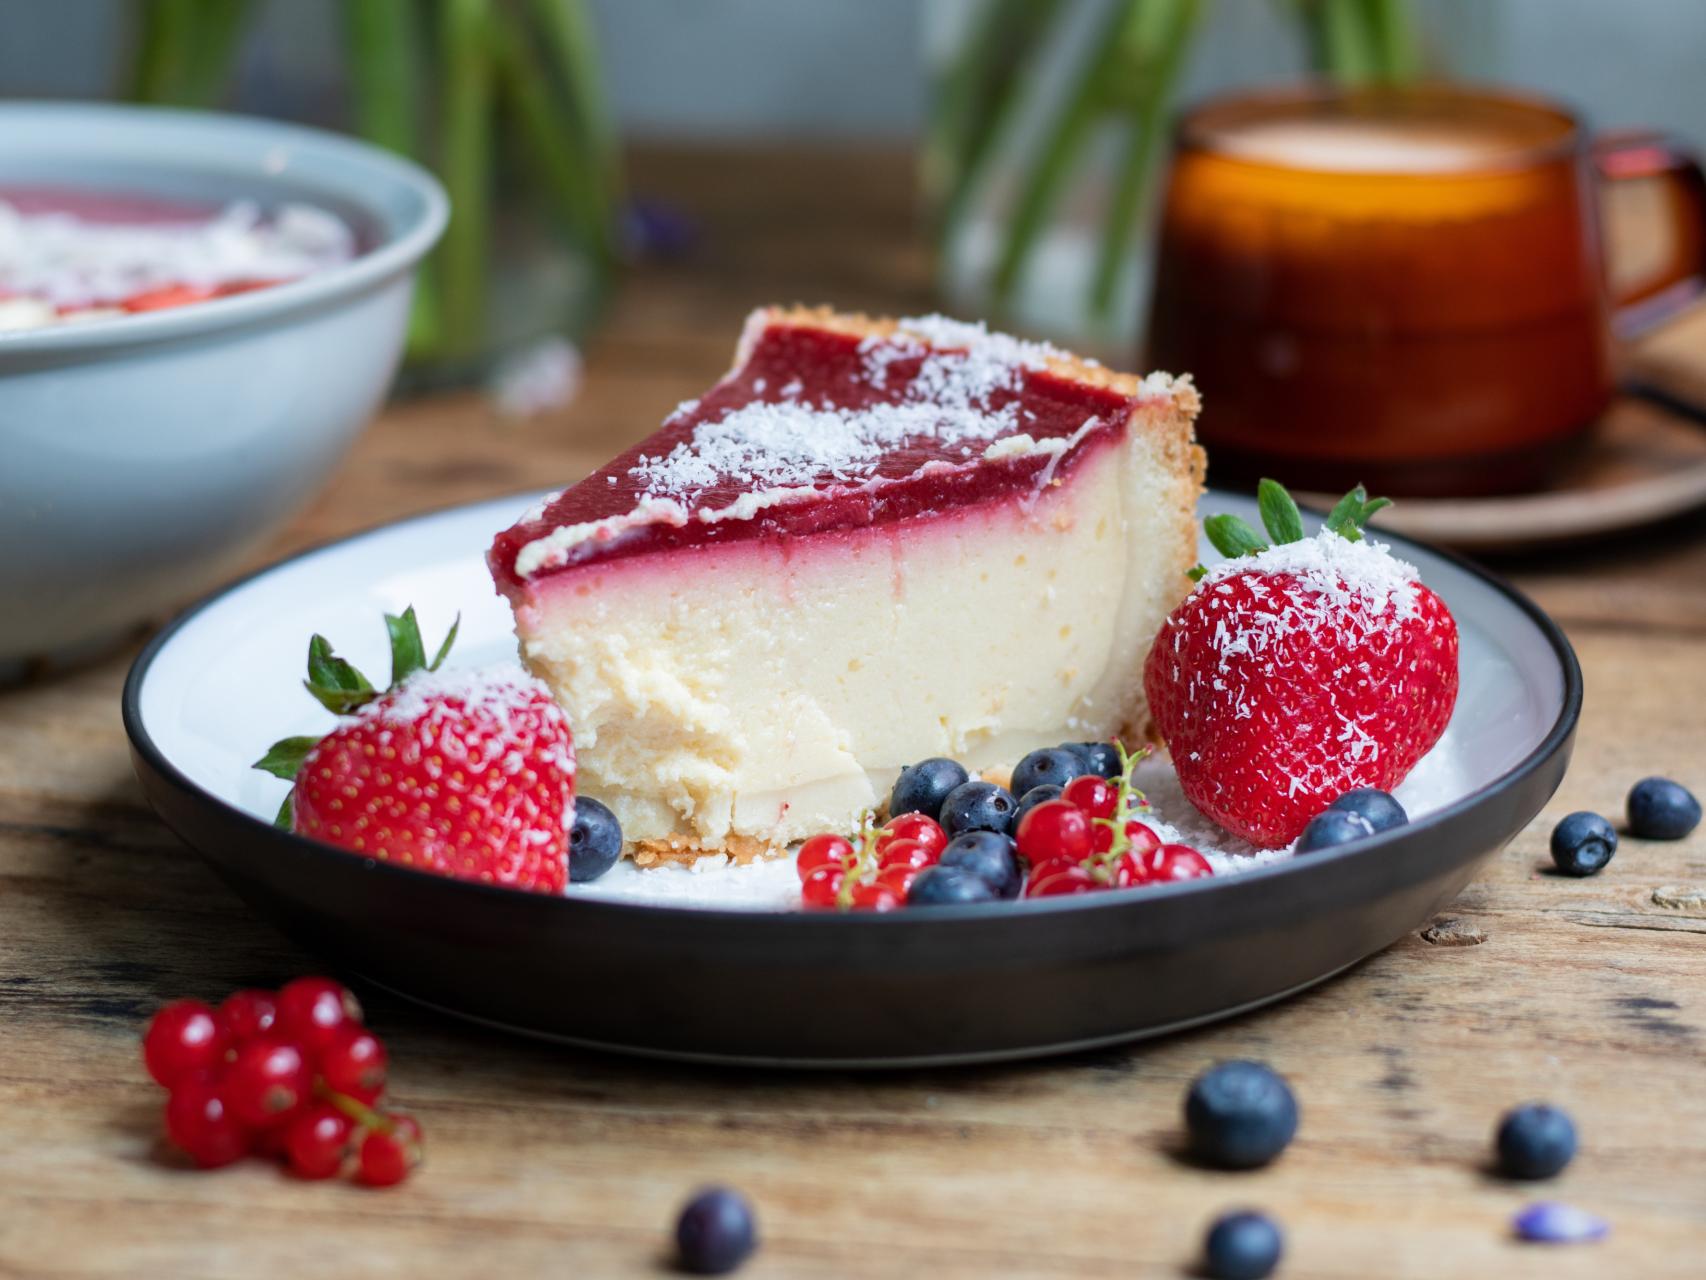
[{"x": 531, "y": 134}]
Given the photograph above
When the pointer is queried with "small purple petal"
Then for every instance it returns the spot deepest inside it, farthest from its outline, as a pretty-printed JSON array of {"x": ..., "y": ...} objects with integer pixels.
[{"x": 1550, "y": 1222}]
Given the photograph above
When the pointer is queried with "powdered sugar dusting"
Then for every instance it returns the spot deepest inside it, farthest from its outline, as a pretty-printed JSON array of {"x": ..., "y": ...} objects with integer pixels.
[{"x": 961, "y": 368}]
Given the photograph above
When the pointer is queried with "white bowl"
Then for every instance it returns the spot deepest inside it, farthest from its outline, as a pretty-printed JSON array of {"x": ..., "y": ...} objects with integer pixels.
[{"x": 142, "y": 458}]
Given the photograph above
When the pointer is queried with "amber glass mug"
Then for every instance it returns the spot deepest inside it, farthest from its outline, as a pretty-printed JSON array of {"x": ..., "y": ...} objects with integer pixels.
[{"x": 1407, "y": 287}]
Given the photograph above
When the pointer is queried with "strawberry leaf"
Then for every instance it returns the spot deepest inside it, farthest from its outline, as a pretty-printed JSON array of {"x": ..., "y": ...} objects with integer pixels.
[
  {"x": 1352, "y": 512},
  {"x": 444, "y": 649},
  {"x": 1280, "y": 515},
  {"x": 283, "y": 820},
  {"x": 284, "y": 758},
  {"x": 336, "y": 685},
  {"x": 1196, "y": 573},
  {"x": 408, "y": 655},
  {"x": 1232, "y": 537}
]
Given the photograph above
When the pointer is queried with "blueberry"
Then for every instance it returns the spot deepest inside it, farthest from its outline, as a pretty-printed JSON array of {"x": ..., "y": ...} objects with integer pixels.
[
  {"x": 1032, "y": 798},
  {"x": 715, "y": 1232},
  {"x": 1660, "y": 809},
  {"x": 989, "y": 856},
  {"x": 1331, "y": 827},
  {"x": 922, "y": 787},
  {"x": 1239, "y": 1115},
  {"x": 1050, "y": 766},
  {"x": 977, "y": 806},
  {"x": 1534, "y": 1141},
  {"x": 1242, "y": 1246},
  {"x": 1100, "y": 758},
  {"x": 595, "y": 841},
  {"x": 1377, "y": 808},
  {"x": 941, "y": 886},
  {"x": 1583, "y": 843}
]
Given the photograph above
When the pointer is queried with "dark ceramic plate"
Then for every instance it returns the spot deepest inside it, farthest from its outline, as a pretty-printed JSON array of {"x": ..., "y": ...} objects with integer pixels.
[{"x": 951, "y": 985}]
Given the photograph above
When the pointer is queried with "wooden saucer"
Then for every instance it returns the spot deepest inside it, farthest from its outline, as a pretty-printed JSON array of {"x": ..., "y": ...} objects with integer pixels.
[{"x": 1645, "y": 463}]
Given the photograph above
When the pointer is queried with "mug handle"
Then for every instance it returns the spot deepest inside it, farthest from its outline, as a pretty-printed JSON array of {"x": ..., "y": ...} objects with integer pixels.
[{"x": 1637, "y": 155}]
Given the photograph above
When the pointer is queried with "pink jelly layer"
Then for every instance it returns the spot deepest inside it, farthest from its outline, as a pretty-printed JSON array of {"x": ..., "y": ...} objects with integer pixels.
[
  {"x": 829, "y": 369},
  {"x": 111, "y": 208}
]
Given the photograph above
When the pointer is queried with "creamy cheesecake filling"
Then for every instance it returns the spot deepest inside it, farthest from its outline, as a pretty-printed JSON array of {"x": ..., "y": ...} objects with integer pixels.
[{"x": 753, "y": 690}]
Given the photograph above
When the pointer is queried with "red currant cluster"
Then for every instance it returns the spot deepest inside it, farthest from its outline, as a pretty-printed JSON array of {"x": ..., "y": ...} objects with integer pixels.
[
  {"x": 875, "y": 875},
  {"x": 1090, "y": 839},
  {"x": 291, "y": 1074}
]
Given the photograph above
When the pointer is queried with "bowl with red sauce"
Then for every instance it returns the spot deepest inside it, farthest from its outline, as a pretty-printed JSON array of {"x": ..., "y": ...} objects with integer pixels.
[{"x": 198, "y": 313}]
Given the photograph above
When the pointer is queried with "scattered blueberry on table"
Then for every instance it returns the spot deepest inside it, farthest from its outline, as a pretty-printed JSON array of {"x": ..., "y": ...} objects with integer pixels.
[
  {"x": 988, "y": 855},
  {"x": 1240, "y": 1115},
  {"x": 1549, "y": 1222},
  {"x": 1660, "y": 809},
  {"x": 978, "y": 806},
  {"x": 715, "y": 1232},
  {"x": 1049, "y": 766},
  {"x": 595, "y": 840},
  {"x": 1380, "y": 809},
  {"x": 1582, "y": 843},
  {"x": 1242, "y": 1246},
  {"x": 1333, "y": 827},
  {"x": 1534, "y": 1141},
  {"x": 922, "y": 787}
]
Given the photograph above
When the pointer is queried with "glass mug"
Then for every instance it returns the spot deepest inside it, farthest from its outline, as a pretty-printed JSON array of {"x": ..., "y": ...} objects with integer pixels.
[{"x": 1405, "y": 287}]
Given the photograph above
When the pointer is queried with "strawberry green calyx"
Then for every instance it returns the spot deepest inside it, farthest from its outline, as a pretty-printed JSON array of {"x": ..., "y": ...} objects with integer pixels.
[
  {"x": 1233, "y": 537},
  {"x": 341, "y": 689}
]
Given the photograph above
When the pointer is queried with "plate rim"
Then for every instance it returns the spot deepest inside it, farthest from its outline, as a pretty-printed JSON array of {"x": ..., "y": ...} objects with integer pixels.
[{"x": 146, "y": 753}]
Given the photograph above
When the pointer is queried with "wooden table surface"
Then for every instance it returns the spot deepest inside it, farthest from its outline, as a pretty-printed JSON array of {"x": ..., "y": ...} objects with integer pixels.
[{"x": 547, "y": 1162}]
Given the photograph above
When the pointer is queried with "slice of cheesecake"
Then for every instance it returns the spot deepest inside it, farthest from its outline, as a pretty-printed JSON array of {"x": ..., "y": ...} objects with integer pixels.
[{"x": 872, "y": 542}]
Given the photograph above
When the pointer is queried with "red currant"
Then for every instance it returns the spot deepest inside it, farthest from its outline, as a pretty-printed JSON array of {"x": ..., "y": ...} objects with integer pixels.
[
  {"x": 387, "y": 1157},
  {"x": 354, "y": 1063},
  {"x": 1179, "y": 862},
  {"x": 876, "y": 897},
  {"x": 199, "y": 1123},
  {"x": 822, "y": 888},
  {"x": 823, "y": 851},
  {"x": 904, "y": 853},
  {"x": 317, "y": 1141},
  {"x": 1096, "y": 796},
  {"x": 247, "y": 1014},
  {"x": 310, "y": 1011},
  {"x": 1139, "y": 838},
  {"x": 184, "y": 1037},
  {"x": 898, "y": 878},
  {"x": 1053, "y": 880},
  {"x": 268, "y": 1081},
  {"x": 1055, "y": 829},
  {"x": 914, "y": 826}
]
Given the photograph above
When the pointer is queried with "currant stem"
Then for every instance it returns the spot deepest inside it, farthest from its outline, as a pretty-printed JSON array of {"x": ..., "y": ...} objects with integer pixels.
[
  {"x": 864, "y": 858},
  {"x": 362, "y": 1114}
]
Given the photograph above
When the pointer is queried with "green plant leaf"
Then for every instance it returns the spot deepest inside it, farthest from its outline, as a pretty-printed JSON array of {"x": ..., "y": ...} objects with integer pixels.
[
  {"x": 1370, "y": 507},
  {"x": 1196, "y": 573},
  {"x": 444, "y": 649},
  {"x": 283, "y": 820},
  {"x": 284, "y": 758},
  {"x": 1232, "y": 537},
  {"x": 408, "y": 655},
  {"x": 336, "y": 685},
  {"x": 1280, "y": 515}
]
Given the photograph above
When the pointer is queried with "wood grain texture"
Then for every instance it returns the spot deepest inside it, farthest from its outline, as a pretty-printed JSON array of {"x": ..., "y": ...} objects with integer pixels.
[{"x": 545, "y": 1162}]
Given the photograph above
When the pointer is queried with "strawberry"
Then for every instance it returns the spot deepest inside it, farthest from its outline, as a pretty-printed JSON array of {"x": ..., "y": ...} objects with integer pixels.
[
  {"x": 1294, "y": 673},
  {"x": 465, "y": 774}
]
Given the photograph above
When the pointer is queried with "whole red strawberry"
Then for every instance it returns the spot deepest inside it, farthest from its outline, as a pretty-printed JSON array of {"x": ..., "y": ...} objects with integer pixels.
[
  {"x": 467, "y": 774},
  {"x": 1295, "y": 673}
]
